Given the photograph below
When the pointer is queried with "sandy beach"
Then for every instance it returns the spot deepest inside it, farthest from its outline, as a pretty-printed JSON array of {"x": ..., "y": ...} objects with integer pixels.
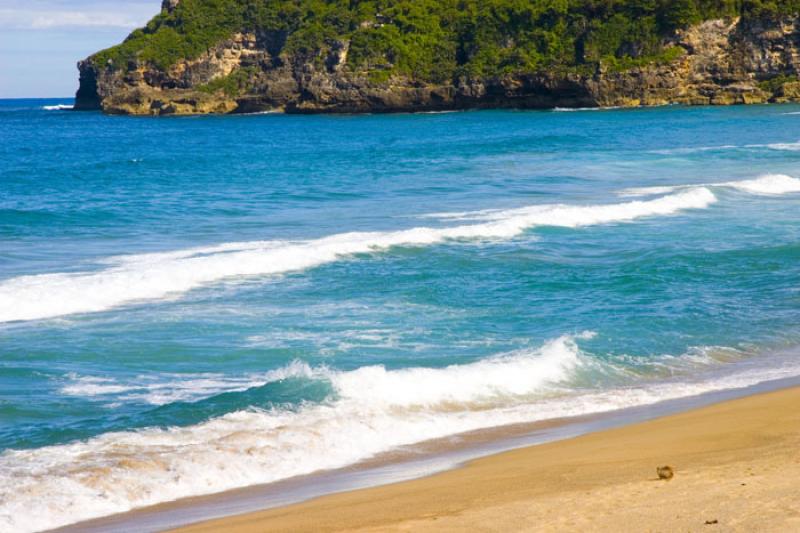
[{"x": 737, "y": 468}]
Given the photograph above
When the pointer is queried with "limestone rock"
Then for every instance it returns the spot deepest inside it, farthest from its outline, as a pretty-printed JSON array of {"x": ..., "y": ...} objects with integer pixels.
[{"x": 721, "y": 62}]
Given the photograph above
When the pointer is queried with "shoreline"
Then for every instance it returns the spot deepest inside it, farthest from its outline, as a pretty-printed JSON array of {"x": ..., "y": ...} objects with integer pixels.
[
  {"x": 432, "y": 110},
  {"x": 736, "y": 465},
  {"x": 426, "y": 461}
]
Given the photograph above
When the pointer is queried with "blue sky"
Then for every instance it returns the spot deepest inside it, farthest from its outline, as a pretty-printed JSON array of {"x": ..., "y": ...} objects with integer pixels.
[{"x": 42, "y": 40}]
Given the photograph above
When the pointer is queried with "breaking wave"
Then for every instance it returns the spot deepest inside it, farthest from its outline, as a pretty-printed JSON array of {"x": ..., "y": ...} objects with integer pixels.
[
  {"x": 143, "y": 277},
  {"x": 371, "y": 410},
  {"x": 768, "y": 184}
]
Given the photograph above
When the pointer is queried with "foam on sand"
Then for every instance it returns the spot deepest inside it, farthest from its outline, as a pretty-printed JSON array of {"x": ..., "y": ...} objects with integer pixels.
[
  {"x": 371, "y": 410},
  {"x": 148, "y": 277}
]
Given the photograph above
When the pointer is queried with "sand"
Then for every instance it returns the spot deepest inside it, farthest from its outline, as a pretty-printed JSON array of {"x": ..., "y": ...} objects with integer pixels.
[{"x": 737, "y": 468}]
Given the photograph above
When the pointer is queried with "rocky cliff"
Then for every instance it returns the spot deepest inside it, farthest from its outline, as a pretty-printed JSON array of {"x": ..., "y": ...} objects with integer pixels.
[{"x": 719, "y": 61}]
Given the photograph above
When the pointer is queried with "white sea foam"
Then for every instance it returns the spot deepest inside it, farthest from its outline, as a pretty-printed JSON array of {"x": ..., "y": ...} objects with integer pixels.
[
  {"x": 573, "y": 109},
  {"x": 265, "y": 112},
  {"x": 373, "y": 410},
  {"x": 788, "y": 147},
  {"x": 135, "y": 278},
  {"x": 162, "y": 389},
  {"x": 694, "y": 149},
  {"x": 59, "y": 107},
  {"x": 92, "y": 386},
  {"x": 785, "y": 147},
  {"x": 578, "y": 216},
  {"x": 768, "y": 184}
]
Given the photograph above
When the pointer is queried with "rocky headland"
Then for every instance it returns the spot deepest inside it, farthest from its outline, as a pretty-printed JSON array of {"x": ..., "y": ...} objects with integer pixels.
[{"x": 251, "y": 66}]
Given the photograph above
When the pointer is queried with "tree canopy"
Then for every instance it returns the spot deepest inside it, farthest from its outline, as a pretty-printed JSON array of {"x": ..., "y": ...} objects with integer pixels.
[{"x": 438, "y": 40}]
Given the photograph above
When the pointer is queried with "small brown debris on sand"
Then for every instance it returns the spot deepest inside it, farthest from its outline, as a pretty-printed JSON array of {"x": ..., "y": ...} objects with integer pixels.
[
  {"x": 665, "y": 472},
  {"x": 712, "y": 522}
]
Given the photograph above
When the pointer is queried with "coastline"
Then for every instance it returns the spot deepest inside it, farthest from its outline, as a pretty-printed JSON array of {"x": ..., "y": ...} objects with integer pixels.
[
  {"x": 417, "y": 464},
  {"x": 431, "y": 292},
  {"x": 736, "y": 465},
  {"x": 237, "y": 71}
]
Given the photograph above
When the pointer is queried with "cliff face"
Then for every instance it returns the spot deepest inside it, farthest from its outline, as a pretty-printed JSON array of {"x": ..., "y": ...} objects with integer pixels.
[{"x": 715, "y": 62}]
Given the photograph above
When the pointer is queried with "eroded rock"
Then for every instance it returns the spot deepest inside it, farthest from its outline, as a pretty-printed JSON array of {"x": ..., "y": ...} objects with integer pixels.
[{"x": 720, "y": 62}]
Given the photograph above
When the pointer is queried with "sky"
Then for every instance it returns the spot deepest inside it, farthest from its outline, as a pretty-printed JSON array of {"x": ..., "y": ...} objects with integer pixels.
[{"x": 42, "y": 40}]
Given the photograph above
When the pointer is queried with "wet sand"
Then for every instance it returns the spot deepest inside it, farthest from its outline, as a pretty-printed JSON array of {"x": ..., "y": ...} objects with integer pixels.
[{"x": 737, "y": 468}]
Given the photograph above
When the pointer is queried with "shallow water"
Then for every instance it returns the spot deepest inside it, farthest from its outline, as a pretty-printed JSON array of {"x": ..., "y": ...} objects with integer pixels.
[{"x": 196, "y": 304}]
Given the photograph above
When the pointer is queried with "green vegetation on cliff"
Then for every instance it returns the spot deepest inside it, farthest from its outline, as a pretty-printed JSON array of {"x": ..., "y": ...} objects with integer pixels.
[
  {"x": 232, "y": 85},
  {"x": 437, "y": 40}
]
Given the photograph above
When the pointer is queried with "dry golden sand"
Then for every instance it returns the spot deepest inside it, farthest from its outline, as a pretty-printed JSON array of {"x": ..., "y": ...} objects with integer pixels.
[{"x": 737, "y": 467}]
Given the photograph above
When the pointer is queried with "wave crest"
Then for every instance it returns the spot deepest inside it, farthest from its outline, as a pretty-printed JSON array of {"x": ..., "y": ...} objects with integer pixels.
[
  {"x": 144, "y": 277},
  {"x": 373, "y": 410},
  {"x": 767, "y": 184}
]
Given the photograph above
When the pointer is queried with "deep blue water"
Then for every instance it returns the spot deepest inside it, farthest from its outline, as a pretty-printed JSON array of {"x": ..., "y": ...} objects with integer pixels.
[{"x": 184, "y": 296}]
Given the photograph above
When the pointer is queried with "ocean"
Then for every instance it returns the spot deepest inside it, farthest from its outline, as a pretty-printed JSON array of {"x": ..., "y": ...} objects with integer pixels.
[{"x": 191, "y": 305}]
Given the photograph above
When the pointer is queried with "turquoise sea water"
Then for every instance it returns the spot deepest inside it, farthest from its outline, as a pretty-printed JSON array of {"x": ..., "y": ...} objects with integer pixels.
[{"x": 191, "y": 305}]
